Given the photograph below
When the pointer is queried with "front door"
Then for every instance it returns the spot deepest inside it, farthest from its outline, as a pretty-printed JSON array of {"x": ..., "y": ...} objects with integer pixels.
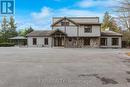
[{"x": 58, "y": 41}]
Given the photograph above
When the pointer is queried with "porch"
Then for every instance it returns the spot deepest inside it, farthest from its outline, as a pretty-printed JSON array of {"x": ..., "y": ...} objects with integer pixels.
[{"x": 58, "y": 38}]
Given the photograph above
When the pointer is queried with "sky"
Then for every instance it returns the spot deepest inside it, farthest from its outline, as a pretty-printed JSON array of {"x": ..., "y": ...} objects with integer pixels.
[{"x": 39, "y": 13}]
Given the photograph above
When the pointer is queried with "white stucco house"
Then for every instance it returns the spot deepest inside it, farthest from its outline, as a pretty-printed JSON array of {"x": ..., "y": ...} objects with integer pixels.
[{"x": 75, "y": 32}]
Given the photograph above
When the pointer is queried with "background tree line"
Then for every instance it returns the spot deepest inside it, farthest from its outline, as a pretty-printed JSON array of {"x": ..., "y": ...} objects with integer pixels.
[{"x": 9, "y": 29}]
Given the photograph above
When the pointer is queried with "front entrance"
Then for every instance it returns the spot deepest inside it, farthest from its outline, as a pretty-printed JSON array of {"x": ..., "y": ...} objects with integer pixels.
[{"x": 58, "y": 41}]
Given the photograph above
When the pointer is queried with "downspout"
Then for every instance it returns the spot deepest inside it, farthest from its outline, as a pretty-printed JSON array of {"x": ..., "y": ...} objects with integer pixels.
[
  {"x": 77, "y": 36},
  {"x": 65, "y": 32}
]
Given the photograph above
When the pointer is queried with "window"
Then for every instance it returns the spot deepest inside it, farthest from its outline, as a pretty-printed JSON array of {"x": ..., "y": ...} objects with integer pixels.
[
  {"x": 115, "y": 41},
  {"x": 88, "y": 29},
  {"x": 46, "y": 41},
  {"x": 34, "y": 41},
  {"x": 64, "y": 23},
  {"x": 70, "y": 39},
  {"x": 86, "y": 41},
  {"x": 103, "y": 41}
]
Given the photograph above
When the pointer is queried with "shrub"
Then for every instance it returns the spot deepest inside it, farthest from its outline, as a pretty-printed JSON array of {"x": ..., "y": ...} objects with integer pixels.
[{"x": 7, "y": 44}]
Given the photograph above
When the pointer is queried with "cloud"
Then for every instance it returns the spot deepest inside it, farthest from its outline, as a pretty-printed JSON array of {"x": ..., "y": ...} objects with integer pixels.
[
  {"x": 43, "y": 19},
  {"x": 96, "y": 3},
  {"x": 45, "y": 12}
]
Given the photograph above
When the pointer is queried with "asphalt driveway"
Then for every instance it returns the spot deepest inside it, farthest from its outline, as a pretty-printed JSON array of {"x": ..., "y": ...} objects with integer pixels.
[{"x": 59, "y": 67}]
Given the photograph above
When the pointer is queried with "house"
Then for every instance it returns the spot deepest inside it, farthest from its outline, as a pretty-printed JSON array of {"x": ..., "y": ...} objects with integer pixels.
[{"x": 74, "y": 32}]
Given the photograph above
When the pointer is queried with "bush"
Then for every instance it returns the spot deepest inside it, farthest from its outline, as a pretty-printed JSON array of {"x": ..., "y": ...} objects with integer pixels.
[{"x": 7, "y": 44}]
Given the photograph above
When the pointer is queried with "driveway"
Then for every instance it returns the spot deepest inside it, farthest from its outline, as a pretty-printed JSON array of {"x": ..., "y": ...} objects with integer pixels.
[{"x": 59, "y": 67}]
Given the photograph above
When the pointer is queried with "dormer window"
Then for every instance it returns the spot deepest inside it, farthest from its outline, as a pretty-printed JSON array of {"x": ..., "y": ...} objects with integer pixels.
[
  {"x": 88, "y": 29},
  {"x": 64, "y": 23}
]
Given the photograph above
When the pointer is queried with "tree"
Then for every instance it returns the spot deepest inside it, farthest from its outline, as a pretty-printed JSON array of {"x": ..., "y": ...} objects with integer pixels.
[
  {"x": 30, "y": 30},
  {"x": 8, "y": 29},
  {"x": 24, "y": 32},
  {"x": 4, "y": 29},
  {"x": 123, "y": 12},
  {"x": 12, "y": 27},
  {"x": 109, "y": 22}
]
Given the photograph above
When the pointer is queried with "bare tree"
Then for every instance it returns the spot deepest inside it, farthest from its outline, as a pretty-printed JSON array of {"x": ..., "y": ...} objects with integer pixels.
[{"x": 123, "y": 12}]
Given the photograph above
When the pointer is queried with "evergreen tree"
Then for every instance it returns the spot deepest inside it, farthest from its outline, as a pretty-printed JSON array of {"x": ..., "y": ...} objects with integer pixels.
[
  {"x": 24, "y": 32},
  {"x": 109, "y": 22},
  {"x": 30, "y": 30},
  {"x": 4, "y": 29},
  {"x": 12, "y": 27}
]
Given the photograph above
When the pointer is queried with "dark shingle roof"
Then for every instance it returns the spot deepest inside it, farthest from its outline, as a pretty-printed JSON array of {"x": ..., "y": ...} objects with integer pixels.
[
  {"x": 110, "y": 33},
  {"x": 89, "y": 23},
  {"x": 43, "y": 33},
  {"x": 39, "y": 33}
]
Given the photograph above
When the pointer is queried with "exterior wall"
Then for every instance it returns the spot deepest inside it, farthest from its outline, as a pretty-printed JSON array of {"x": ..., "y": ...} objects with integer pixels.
[
  {"x": 95, "y": 42},
  {"x": 59, "y": 24},
  {"x": 95, "y": 31},
  {"x": 40, "y": 42},
  {"x": 109, "y": 42},
  {"x": 72, "y": 31},
  {"x": 62, "y": 28},
  {"x": 74, "y": 43}
]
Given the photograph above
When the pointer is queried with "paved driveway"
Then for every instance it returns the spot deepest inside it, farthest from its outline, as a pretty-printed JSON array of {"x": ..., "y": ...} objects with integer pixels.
[{"x": 58, "y": 67}]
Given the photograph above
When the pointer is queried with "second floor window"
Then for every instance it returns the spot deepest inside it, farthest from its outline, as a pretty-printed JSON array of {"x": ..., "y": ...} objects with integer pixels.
[
  {"x": 34, "y": 41},
  {"x": 46, "y": 41},
  {"x": 64, "y": 23},
  {"x": 88, "y": 29}
]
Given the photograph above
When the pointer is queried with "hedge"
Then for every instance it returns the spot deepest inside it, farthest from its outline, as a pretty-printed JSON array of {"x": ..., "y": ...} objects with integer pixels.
[{"x": 7, "y": 44}]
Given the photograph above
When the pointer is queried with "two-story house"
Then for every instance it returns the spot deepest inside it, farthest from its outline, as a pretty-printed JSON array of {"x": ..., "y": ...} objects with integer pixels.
[{"x": 74, "y": 32}]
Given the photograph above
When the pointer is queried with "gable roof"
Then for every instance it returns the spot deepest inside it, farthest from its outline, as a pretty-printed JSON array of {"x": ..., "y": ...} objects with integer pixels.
[
  {"x": 39, "y": 33},
  {"x": 54, "y": 31},
  {"x": 76, "y": 23},
  {"x": 44, "y": 33},
  {"x": 110, "y": 33},
  {"x": 64, "y": 18}
]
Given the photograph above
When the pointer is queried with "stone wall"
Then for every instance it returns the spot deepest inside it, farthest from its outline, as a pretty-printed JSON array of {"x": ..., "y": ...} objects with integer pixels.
[
  {"x": 95, "y": 42},
  {"x": 79, "y": 43}
]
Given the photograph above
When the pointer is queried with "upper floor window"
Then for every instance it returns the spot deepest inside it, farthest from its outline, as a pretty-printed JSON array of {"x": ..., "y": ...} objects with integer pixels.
[
  {"x": 115, "y": 41},
  {"x": 64, "y": 23},
  {"x": 46, "y": 41},
  {"x": 34, "y": 41},
  {"x": 88, "y": 29}
]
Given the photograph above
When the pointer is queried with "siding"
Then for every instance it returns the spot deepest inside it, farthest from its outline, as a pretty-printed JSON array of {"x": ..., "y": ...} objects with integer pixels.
[
  {"x": 72, "y": 31},
  {"x": 109, "y": 42},
  {"x": 95, "y": 31},
  {"x": 40, "y": 41}
]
